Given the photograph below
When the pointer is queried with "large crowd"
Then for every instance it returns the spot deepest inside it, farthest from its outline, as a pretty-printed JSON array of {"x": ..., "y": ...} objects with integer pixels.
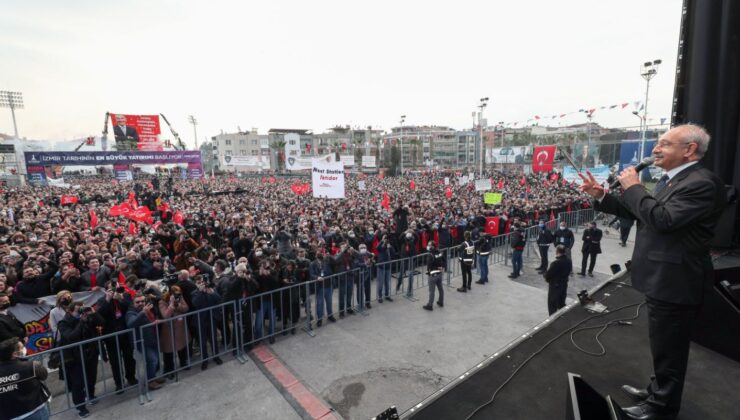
[{"x": 224, "y": 239}]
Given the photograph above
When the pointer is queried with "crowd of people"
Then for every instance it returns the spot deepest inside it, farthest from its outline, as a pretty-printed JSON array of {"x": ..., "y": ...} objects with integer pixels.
[{"x": 220, "y": 240}]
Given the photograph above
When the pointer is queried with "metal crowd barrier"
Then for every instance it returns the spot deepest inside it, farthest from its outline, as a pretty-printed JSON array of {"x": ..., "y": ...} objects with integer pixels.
[{"x": 235, "y": 326}]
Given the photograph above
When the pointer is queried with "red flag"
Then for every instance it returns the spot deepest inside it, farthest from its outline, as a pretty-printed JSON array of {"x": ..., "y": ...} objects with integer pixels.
[
  {"x": 625, "y": 104},
  {"x": 68, "y": 199},
  {"x": 132, "y": 229},
  {"x": 522, "y": 181},
  {"x": 93, "y": 219},
  {"x": 122, "y": 209},
  {"x": 448, "y": 193},
  {"x": 150, "y": 185},
  {"x": 178, "y": 217},
  {"x": 142, "y": 214},
  {"x": 301, "y": 189},
  {"x": 536, "y": 117},
  {"x": 381, "y": 175},
  {"x": 386, "y": 203},
  {"x": 272, "y": 180},
  {"x": 554, "y": 177},
  {"x": 507, "y": 228},
  {"x": 501, "y": 184},
  {"x": 552, "y": 215},
  {"x": 164, "y": 207},
  {"x": 492, "y": 225},
  {"x": 529, "y": 189},
  {"x": 542, "y": 158},
  {"x": 412, "y": 185}
]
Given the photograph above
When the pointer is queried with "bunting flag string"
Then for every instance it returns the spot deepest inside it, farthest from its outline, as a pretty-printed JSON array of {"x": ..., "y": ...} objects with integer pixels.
[{"x": 638, "y": 105}]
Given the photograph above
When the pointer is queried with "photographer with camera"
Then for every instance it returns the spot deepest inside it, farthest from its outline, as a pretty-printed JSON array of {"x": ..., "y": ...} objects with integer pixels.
[
  {"x": 139, "y": 314},
  {"x": 67, "y": 278},
  {"x": 203, "y": 298},
  {"x": 112, "y": 308},
  {"x": 24, "y": 395},
  {"x": 229, "y": 287},
  {"x": 79, "y": 324},
  {"x": 173, "y": 334}
]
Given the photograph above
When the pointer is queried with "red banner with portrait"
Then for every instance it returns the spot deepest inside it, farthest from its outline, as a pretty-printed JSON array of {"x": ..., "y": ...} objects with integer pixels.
[{"x": 144, "y": 130}]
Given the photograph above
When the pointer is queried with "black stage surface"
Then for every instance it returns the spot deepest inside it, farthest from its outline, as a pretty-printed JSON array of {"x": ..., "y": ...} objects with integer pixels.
[{"x": 539, "y": 389}]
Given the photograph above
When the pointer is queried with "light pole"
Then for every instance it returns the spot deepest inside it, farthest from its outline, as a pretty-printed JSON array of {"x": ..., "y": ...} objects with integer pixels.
[
  {"x": 14, "y": 100},
  {"x": 481, "y": 106},
  {"x": 403, "y": 119},
  {"x": 648, "y": 70},
  {"x": 193, "y": 121}
]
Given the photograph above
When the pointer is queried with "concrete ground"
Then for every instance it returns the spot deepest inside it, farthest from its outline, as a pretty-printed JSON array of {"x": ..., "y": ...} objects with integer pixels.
[{"x": 394, "y": 354}]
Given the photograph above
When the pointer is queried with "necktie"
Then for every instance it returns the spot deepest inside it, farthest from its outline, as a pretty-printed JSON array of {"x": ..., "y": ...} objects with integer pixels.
[
  {"x": 661, "y": 184},
  {"x": 93, "y": 280}
]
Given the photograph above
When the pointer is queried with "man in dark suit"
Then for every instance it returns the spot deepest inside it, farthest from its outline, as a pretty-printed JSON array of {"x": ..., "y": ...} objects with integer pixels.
[
  {"x": 10, "y": 327},
  {"x": 123, "y": 132},
  {"x": 591, "y": 247},
  {"x": 671, "y": 258},
  {"x": 556, "y": 277}
]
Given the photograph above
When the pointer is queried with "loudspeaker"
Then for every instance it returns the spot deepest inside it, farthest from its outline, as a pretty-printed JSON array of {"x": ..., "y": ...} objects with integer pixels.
[
  {"x": 716, "y": 327},
  {"x": 585, "y": 403}
]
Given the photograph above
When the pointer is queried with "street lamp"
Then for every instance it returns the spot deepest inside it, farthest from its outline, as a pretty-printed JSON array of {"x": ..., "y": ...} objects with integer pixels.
[
  {"x": 648, "y": 70},
  {"x": 481, "y": 106},
  {"x": 403, "y": 119},
  {"x": 637, "y": 114},
  {"x": 193, "y": 121}
]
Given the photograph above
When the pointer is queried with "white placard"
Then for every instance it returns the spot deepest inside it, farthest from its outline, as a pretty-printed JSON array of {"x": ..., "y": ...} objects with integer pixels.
[
  {"x": 361, "y": 185},
  {"x": 327, "y": 179},
  {"x": 447, "y": 180},
  {"x": 463, "y": 180},
  {"x": 368, "y": 161},
  {"x": 483, "y": 184}
]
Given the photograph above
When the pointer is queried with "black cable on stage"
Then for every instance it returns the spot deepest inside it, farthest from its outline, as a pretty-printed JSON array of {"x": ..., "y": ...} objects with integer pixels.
[
  {"x": 622, "y": 321},
  {"x": 524, "y": 363}
]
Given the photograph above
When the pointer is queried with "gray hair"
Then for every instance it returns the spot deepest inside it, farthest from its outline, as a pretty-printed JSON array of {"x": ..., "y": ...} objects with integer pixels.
[{"x": 693, "y": 133}]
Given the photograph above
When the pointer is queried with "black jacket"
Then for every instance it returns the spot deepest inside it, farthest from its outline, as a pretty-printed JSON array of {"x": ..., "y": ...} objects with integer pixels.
[
  {"x": 591, "y": 241},
  {"x": 564, "y": 237},
  {"x": 558, "y": 271},
  {"x": 10, "y": 327},
  {"x": 671, "y": 261}
]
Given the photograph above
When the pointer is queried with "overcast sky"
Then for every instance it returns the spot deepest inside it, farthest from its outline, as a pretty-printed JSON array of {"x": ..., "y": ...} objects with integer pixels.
[{"x": 314, "y": 64}]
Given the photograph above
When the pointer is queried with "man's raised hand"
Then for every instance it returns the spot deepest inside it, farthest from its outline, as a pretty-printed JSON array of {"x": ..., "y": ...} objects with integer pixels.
[{"x": 590, "y": 186}]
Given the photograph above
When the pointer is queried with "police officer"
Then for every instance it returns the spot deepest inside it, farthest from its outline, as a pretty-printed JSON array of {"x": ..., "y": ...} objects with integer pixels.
[
  {"x": 544, "y": 239},
  {"x": 436, "y": 265},
  {"x": 22, "y": 394},
  {"x": 518, "y": 241},
  {"x": 467, "y": 255},
  {"x": 483, "y": 248},
  {"x": 591, "y": 247}
]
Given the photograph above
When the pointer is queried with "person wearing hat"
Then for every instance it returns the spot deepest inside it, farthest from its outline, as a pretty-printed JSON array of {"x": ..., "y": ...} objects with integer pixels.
[
  {"x": 483, "y": 249},
  {"x": 591, "y": 247}
]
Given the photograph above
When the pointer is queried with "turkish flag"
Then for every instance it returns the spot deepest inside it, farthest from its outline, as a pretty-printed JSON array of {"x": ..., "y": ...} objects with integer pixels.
[
  {"x": 142, "y": 214},
  {"x": 501, "y": 184},
  {"x": 164, "y": 207},
  {"x": 448, "y": 193},
  {"x": 554, "y": 177},
  {"x": 178, "y": 218},
  {"x": 386, "y": 203},
  {"x": 492, "y": 225},
  {"x": 542, "y": 158},
  {"x": 300, "y": 189},
  {"x": 523, "y": 181},
  {"x": 272, "y": 180},
  {"x": 132, "y": 229},
  {"x": 68, "y": 199},
  {"x": 412, "y": 185},
  {"x": 93, "y": 219}
]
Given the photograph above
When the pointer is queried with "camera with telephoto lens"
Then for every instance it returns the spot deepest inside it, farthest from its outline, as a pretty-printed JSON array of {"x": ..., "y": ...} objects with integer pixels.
[
  {"x": 170, "y": 279},
  {"x": 152, "y": 296},
  {"x": 208, "y": 281}
]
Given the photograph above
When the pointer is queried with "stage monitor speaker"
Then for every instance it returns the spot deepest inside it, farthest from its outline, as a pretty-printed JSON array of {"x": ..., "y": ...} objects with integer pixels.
[
  {"x": 716, "y": 327},
  {"x": 585, "y": 403}
]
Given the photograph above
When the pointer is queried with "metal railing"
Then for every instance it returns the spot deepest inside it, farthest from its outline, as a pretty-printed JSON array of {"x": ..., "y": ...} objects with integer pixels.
[{"x": 206, "y": 334}]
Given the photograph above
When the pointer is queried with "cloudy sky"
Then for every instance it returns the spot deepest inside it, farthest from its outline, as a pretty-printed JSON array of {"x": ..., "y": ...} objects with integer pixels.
[{"x": 315, "y": 64}]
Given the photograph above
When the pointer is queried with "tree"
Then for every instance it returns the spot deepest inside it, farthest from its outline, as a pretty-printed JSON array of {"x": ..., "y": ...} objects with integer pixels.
[
  {"x": 279, "y": 146},
  {"x": 394, "y": 160},
  {"x": 206, "y": 156}
]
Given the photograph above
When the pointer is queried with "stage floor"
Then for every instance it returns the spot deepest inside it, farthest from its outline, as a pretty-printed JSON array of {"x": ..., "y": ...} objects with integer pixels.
[{"x": 539, "y": 389}]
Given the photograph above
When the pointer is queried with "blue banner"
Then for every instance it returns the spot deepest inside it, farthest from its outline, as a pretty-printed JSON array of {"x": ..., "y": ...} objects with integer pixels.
[{"x": 628, "y": 155}]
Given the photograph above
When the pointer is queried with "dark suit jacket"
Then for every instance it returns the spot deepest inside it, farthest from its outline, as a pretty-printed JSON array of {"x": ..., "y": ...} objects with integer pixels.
[
  {"x": 671, "y": 256},
  {"x": 592, "y": 241},
  {"x": 559, "y": 271},
  {"x": 130, "y": 132},
  {"x": 10, "y": 327}
]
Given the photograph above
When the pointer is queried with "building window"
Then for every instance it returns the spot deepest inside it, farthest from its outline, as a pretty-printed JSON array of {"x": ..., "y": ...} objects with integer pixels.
[
  {"x": 255, "y": 152},
  {"x": 254, "y": 142},
  {"x": 243, "y": 152},
  {"x": 228, "y": 153},
  {"x": 242, "y": 142},
  {"x": 228, "y": 142},
  {"x": 291, "y": 142}
]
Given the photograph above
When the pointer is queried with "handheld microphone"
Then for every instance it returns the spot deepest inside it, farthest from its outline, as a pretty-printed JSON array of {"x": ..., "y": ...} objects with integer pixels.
[{"x": 640, "y": 166}]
